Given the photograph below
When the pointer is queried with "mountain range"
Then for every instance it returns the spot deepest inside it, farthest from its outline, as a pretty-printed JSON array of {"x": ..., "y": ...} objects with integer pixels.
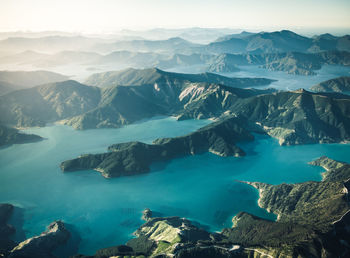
[
  {"x": 278, "y": 41},
  {"x": 15, "y": 80},
  {"x": 291, "y": 62},
  {"x": 131, "y": 95},
  {"x": 151, "y": 92},
  {"x": 340, "y": 84}
]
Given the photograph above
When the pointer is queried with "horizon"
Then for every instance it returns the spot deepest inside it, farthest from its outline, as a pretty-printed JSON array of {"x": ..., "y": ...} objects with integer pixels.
[{"x": 108, "y": 16}]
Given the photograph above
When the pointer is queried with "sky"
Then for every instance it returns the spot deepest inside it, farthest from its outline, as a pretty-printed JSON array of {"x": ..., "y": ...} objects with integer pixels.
[{"x": 112, "y": 15}]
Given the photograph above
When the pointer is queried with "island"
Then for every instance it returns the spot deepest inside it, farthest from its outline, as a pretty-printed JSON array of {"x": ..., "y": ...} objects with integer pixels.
[
  {"x": 135, "y": 157},
  {"x": 9, "y": 136}
]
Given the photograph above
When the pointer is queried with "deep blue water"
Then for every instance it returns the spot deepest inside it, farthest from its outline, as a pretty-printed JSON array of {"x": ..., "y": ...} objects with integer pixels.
[{"x": 105, "y": 212}]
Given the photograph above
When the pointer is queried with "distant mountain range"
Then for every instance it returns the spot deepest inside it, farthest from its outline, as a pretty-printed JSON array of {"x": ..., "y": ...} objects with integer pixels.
[
  {"x": 171, "y": 45},
  {"x": 245, "y": 42},
  {"x": 137, "y": 77},
  {"x": 340, "y": 84},
  {"x": 299, "y": 63},
  {"x": 14, "y": 80},
  {"x": 279, "y": 41},
  {"x": 291, "y": 62}
]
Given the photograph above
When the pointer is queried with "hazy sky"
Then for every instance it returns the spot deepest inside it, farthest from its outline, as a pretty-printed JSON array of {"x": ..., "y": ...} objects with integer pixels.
[{"x": 109, "y": 15}]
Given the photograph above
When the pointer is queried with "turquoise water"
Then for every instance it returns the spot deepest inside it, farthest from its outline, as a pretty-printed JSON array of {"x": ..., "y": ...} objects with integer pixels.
[{"x": 105, "y": 212}]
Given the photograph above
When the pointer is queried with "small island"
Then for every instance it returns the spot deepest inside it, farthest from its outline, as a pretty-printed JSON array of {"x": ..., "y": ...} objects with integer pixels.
[
  {"x": 9, "y": 136},
  {"x": 136, "y": 157}
]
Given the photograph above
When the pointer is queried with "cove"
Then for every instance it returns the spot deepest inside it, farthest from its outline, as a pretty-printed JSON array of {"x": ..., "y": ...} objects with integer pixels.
[{"x": 105, "y": 212}]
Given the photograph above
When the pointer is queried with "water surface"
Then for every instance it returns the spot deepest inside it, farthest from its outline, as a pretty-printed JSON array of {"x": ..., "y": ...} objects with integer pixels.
[
  {"x": 105, "y": 212},
  {"x": 284, "y": 81}
]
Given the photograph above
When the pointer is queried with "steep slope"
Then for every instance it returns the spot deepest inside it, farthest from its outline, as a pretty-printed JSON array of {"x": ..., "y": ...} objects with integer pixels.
[
  {"x": 123, "y": 105},
  {"x": 263, "y": 42},
  {"x": 312, "y": 217},
  {"x": 47, "y": 103},
  {"x": 43, "y": 245},
  {"x": 299, "y": 117},
  {"x": 340, "y": 84},
  {"x": 157, "y": 93}
]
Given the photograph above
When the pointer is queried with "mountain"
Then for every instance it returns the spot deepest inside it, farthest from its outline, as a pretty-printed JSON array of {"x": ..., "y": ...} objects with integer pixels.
[
  {"x": 340, "y": 84},
  {"x": 196, "y": 34},
  {"x": 131, "y": 158},
  {"x": 177, "y": 60},
  {"x": 6, "y": 87},
  {"x": 276, "y": 42},
  {"x": 291, "y": 62},
  {"x": 156, "y": 93},
  {"x": 135, "y": 77},
  {"x": 326, "y": 42},
  {"x": 121, "y": 105},
  {"x": 171, "y": 45},
  {"x": 47, "y": 103},
  {"x": 22, "y": 79},
  {"x": 224, "y": 63},
  {"x": 134, "y": 59},
  {"x": 10, "y": 136},
  {"x": 241, "y": 35},
  {"x": 299, "y": 117},
  {"x": 311, "y": 217},
  {"x": 117, "y": 58}
]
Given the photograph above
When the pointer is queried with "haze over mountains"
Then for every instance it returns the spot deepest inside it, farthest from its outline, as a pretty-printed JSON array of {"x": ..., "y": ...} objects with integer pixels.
[
  {"x": 90, "y": 82},
  {"x": 79, "y": 55}
]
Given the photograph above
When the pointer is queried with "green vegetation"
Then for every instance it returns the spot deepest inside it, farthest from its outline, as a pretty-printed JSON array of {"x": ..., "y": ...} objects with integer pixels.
[
  {"x": 10, "y": 136},
  {"x": 340, "y": 84},
  {"x": 297, "y": 63},
  {"x": 136, "y": 157}
]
